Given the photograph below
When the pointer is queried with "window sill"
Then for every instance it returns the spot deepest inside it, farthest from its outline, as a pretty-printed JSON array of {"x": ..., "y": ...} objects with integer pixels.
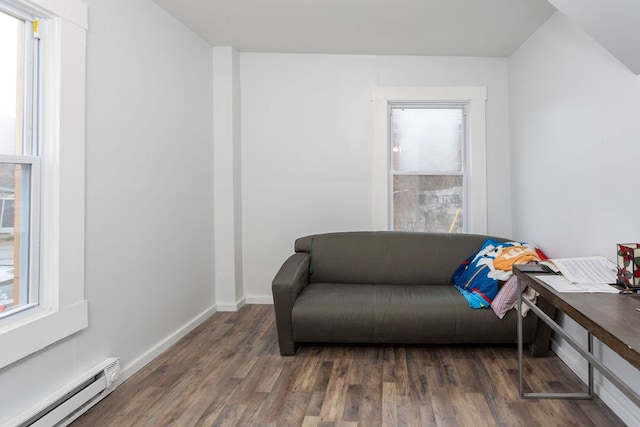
[{"x": 40, "y": 330}]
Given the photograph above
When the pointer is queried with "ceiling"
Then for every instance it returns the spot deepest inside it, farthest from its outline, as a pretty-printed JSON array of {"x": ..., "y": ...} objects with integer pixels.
[
  {"x": 402, "y": 27},
  {"x": 612, "y": 23}
]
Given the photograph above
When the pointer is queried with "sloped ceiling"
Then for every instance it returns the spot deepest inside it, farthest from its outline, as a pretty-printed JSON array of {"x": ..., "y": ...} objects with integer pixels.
[
  {"x": 412, "y": 27},
  {"x": 404, "y": 27},
  {"x": 615, "y": 24}
]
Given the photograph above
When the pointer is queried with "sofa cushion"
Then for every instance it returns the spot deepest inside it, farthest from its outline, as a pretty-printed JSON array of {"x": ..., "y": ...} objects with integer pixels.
[
  {"x": 387, "y": 257},
  {"x": 402, "y": 314}
]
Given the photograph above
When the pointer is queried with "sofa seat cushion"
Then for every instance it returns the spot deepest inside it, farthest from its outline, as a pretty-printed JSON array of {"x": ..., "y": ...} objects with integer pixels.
[{"x": 401, "y": 314}]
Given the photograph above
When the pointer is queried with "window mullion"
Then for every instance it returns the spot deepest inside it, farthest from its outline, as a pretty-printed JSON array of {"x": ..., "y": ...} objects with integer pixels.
[{"x": 22, "y": 160}]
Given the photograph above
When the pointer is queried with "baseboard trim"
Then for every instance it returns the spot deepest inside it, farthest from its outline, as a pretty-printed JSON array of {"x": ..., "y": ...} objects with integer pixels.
[
  {"x": 260, "y": 300},
  {"x": 139, "y": 363},
  {"x": 232, "y": 306},
  {"x": 606, "y": 391}
]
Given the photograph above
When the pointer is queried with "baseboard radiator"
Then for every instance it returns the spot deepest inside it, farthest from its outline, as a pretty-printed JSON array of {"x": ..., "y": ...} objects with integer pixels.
[{"x": 76, "y": 398}]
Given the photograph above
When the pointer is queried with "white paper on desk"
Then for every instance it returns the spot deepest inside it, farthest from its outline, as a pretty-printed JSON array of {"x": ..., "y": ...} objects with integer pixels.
[
  {"x": 595, "y": 269},
  {"x": 560, "y": 284},
  {"x": 598, "y": 288}
]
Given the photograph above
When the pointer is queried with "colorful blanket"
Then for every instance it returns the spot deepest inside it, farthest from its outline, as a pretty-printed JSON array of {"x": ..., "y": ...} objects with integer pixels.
[{"x": 478, "y": 276}]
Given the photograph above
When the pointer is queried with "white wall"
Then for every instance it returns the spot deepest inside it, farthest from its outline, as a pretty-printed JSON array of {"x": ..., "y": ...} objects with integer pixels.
[
  {"x": 574, "y": 147},
  {"x": 574, "y": 130},
  {"x": 307, "y": 145},
  {"x": 149, "y": 227}
]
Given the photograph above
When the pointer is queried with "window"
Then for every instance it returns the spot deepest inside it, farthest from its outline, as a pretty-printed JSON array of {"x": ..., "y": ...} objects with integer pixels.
[
  {"x": 42, "y": 119},
  {"x": 427, "y": 167},
  {"x": 417, "y": 188},
  {"x": 19, "y": 163}
]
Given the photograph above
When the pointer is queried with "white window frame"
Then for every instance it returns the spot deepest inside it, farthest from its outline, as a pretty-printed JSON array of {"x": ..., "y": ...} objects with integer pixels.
[
  {"x": 475, "y": 98},
  {"x": 62, "y": 309}
]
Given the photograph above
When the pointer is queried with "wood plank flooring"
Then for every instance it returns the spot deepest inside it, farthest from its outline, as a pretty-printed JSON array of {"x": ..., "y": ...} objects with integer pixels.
[{"x": 228, "y": 372}]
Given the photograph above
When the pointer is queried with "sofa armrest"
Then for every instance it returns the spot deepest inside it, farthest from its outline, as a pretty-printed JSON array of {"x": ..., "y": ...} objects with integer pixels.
[{"x": 292, "y": 277}]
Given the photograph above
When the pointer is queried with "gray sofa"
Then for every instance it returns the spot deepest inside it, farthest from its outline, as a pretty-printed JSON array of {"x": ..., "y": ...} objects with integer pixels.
[{"x": 387, "y": 287}]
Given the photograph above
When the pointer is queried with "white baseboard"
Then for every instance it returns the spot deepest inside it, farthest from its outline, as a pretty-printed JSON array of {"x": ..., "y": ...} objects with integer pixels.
[
  {"x": 139, "y": 363},
  {"x": 234, "y": 306},
  {"x": 260, "y": 300},
  {"x": 606, "y": 391}
]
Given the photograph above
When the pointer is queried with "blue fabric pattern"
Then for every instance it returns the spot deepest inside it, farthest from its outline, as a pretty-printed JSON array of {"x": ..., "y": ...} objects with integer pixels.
[{"x": 477, "y": 277}]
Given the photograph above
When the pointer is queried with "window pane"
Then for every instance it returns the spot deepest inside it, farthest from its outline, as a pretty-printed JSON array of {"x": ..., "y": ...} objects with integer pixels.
[
  {"x": 11, "y": 83},
  {"x": 427, "y": 139},
  {"x": 14, "y": 237},
  {"x": 428, "y": 203}
]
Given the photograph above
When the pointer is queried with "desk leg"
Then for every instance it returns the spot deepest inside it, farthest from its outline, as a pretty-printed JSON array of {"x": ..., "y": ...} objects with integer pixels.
[
  {"x": 593, "y": 362},
  {"x": 580, "y": 348},
  {"x": 520, "y": 339},
  {"x": 555, "y": 327},
  {"x": 590, "y": 366}
]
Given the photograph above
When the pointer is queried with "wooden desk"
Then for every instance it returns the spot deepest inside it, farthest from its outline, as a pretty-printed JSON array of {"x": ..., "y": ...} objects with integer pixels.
[{"x": 612, "y": 318}]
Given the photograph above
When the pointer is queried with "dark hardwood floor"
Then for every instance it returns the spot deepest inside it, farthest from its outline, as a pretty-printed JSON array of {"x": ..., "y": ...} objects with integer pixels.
[{"x": 228, "y": 372}]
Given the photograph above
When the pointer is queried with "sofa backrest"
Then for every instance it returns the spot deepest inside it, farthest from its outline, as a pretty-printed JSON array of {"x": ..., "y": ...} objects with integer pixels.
[{"x": 387, "y": 257}]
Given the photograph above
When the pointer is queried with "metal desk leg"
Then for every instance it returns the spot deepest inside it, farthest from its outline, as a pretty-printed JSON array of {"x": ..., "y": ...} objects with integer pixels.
[
  {"x": 590, "y": 366},
  {"x": 586, "y": 353},
  {"x": 555, "y": 327},
  {"x": 520, "y": 339}
]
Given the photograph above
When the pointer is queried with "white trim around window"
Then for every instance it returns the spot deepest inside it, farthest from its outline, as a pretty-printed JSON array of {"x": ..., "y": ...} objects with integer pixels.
[
  {"x": 475, "y": 97},
  {"x": 62, "y": 309}
]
